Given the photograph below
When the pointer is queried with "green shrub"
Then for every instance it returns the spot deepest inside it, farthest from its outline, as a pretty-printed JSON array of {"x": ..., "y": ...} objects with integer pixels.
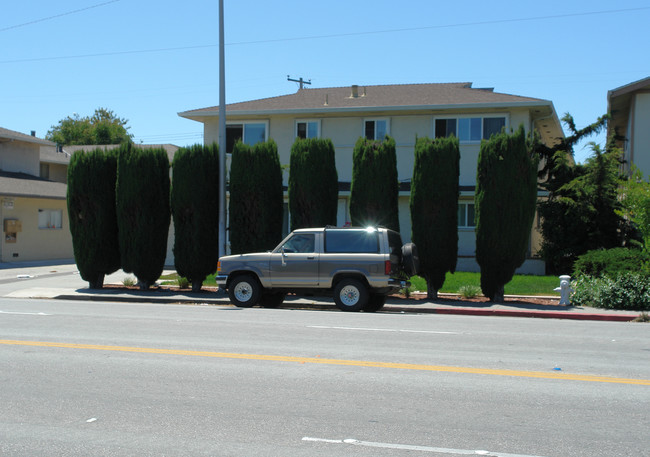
[
  {"x": 256, "y": 198},
  {"x": 142, "y": 202},
  {"x": 91, "y": 212},
  {"x": 195, "y": 183},
  {"x": 609, "y": 262},
  {"x": 313, "y": 183},
  {"x": 629, "y": 291},
  {"x": 469, "y": 291}
]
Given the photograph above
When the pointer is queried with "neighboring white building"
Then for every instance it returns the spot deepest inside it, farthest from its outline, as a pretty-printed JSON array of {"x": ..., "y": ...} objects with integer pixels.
[
  {"x": 629, "y": 107},
  {"x": 404, "y": 112},
  {"x": 33, "y": 211}
]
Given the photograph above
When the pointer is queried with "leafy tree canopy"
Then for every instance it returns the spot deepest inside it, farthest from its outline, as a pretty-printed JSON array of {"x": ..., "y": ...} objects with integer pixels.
[{"x": 103, "y": 127}]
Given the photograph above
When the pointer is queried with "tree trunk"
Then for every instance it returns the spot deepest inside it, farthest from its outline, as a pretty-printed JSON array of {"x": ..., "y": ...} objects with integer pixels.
[
  {"x": 196, "y": 285},
  {"x": 432, "y": 294},
  {"x": 498, "y": 295},
  {"x": 97, "y": 282},
  {"x": 144, "y": 285}
]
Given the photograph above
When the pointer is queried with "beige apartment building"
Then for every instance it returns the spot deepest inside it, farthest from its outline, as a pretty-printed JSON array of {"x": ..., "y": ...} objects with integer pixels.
[{"x": 404, "y": 111}]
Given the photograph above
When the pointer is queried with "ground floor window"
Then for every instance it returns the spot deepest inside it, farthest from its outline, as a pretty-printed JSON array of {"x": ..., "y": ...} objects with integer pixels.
[
  {"x": 466, "y": 215},
  {"x": 50, "y": 218}
]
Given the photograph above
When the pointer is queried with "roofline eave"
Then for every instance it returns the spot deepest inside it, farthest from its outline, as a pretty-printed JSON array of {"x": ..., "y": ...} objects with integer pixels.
[{"x": 197, "y": 116}]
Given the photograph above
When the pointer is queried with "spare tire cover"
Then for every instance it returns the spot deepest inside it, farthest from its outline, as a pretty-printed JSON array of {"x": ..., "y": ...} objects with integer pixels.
[{"x": 410, "y": 259}]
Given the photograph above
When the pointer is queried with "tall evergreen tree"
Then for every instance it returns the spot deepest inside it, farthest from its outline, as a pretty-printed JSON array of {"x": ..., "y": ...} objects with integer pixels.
[
  {"x": 195, "y": 182},
  {"x": 256, "y": 198},
  {"x": 313, "y": 183},
  {"x": 143, "y": 215},
  {"x": 434, "y": 208},
  {"x": 374, "y": 190},
  {"x": 91, "y": 212},
  {"x": 506, "y": 193}
]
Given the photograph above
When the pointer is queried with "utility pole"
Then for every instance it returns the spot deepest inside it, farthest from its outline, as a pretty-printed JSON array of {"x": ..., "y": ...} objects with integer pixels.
[
  {"x": 301, "y": 81},
  {"x": 222, "y": 136}
]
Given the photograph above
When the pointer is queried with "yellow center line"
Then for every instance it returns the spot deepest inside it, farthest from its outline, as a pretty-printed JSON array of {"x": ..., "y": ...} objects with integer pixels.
[{"x": 323, "y": 361}]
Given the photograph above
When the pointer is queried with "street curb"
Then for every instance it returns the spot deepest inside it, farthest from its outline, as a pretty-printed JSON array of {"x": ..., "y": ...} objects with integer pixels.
[{"x": 390, "y": 308}]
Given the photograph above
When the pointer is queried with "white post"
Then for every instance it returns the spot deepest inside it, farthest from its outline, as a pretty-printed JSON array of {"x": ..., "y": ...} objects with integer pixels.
[{"x": 565, "y": 290}]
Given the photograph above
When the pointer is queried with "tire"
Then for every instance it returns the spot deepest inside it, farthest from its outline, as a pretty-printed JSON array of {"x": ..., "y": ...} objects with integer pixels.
[
  {"x": 244, "y": 291},
  {"x": 350, "y": 295},
  {"x": 375, "y": 303},
  {"x": 410, "y": 259},
  {"x": 272, "y": 299}
]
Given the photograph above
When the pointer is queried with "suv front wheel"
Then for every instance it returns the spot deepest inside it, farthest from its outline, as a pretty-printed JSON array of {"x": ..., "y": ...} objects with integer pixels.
[
  {"x": 244, "y": 291},
  {"x": 350, "y": 295}
]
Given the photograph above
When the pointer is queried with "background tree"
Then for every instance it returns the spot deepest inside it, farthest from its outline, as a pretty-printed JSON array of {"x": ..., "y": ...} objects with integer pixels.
[
  {"x": 103, "y": 127},
  {"x": 581, "y": 212},
  {"x": 506, "y": 193},
  {"x": 256, "y": 198},
  {"x": 143, "y": 215},
  {"x": 92, "y": 216},
  {"x": 375, "y": 189},
  {"x": 313, "y": 183},
  {"x": 434, "y": 208},
  {"x": 195, "y": 182}
]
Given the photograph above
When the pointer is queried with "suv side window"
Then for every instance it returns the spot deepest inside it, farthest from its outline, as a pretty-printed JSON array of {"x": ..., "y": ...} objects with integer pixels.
[
  {"x": 302, "y": 242},
  {"x": 351, "y": 241}
]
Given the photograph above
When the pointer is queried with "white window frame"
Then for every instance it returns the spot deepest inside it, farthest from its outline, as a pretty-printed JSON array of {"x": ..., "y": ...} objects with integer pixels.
[
  {"x": 506, "y": 116},
  {"x": 50, "y": 219},
  {"x": 375, "y": 119},
  {"x": 307, "y": 121},
  {"x": 465, "y": 204}
]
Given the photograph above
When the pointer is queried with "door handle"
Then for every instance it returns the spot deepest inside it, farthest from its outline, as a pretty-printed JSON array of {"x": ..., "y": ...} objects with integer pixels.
[{"x": 311, "y": 257}]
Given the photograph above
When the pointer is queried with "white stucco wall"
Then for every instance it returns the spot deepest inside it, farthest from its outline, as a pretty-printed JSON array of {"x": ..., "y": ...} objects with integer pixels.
[{"x": 641, "y": 129}]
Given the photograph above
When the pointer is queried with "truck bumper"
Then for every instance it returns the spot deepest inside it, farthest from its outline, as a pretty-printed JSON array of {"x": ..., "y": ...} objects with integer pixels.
[{"x": 221, "y": 281}]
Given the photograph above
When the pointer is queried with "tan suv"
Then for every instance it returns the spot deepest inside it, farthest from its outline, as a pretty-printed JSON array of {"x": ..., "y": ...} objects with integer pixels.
[{"x": 359, "y": 266}]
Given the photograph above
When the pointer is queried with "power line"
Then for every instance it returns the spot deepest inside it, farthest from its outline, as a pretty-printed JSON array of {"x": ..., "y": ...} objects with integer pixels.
[
  {"x": 316, "y": 37},
  {"x": 36, "y": 21}
]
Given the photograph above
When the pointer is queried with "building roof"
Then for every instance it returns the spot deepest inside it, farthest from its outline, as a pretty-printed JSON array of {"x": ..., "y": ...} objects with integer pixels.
[
  {"x": 24, "y": 185},
  {"x": 50, "y": 154},
  {"x": 386, "y": 97},
  {"x": 11, "y": 135},
  {"x": 618, "y": 104}
]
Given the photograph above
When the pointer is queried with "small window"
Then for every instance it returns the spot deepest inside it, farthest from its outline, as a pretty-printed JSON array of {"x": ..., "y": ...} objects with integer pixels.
[
  {"x": 445, "y": 127},
  {"x": 50, "y": 218},
  {"x": 492, "y": 126},
  {"x": 307, "y": 129},
  {"x": 351, "y": 241},
  {"x": 376, "y": 129},
  {"x": 466, "y": 215}
]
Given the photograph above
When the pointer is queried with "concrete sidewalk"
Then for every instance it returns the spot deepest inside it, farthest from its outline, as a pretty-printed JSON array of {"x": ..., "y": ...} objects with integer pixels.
[{"x": 62, "y": 281}]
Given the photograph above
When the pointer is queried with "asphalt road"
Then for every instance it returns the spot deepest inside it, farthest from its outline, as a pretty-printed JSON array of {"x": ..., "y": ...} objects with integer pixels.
[{"x": 111, "y": 379}]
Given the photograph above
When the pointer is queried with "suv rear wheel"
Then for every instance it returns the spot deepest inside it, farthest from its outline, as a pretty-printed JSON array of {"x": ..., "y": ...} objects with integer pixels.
[
  {"x": 244, "y": 291},
  {"x": 350, "y": 295}
]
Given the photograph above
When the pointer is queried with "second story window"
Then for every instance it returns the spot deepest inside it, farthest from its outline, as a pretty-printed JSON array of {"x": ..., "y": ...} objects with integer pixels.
[
  {"x": 469, "y": 129},
  {"x": 248, "y": 132},
  {"x": 307, "y": 129},
  {"x": 376, "y": 129}
]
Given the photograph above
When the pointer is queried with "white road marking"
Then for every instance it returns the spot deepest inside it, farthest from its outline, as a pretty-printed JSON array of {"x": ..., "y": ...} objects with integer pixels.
[
  {"x": 25, "y": 314},
  {"x": 382, "y": 330},
  {"x": 408, "y": 447}
]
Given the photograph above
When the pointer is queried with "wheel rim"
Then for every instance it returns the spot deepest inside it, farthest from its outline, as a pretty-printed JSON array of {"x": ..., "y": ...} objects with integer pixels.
[
  {"x": 243, "y": 292},
  {"x": 349, "y": 295}
]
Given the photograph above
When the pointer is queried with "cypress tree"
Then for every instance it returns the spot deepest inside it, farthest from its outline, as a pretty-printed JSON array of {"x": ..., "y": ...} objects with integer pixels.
[
  {"x": 506, "y": 193},
  {"x": 91, "y": 212},
  {"x": 313, "y": 183},
  {"x": 142, "y": 198},
  {"x": 195, "y": 183},
  {"x": 375, "y": 189},
  {"x": 256, "y": 198},
  {"x": 434, "y": 208}
]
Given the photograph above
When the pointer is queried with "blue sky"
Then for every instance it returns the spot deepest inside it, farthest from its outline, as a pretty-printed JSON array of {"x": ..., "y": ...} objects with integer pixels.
[{"x": 148, "y": 60}]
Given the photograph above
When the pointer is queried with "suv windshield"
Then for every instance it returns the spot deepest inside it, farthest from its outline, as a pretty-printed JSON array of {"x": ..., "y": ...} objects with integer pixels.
[{"x": 351, "y": 241}]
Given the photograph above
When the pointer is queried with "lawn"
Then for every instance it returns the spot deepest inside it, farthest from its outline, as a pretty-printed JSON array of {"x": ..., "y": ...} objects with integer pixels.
[{"x": 520, "y": 284}]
